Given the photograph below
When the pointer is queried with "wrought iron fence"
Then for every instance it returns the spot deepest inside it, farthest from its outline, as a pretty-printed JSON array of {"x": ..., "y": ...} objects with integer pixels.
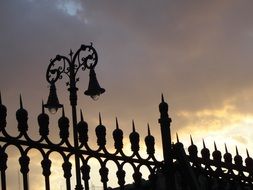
[
  {"x": 216, "y": 167},
  {"x": 84, "y": 152},
  {"x": 174, "y": 156}
]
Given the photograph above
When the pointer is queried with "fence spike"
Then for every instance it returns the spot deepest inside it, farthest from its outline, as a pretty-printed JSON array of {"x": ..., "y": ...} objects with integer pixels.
[
  {"x": 191, "y": 140},
  {"x": 133, "y": 125},
  {"x": 20, "y": 101},
  {"x": 162, "y": 98},
  {"x": 149, "y": 130},
  {"x": 215, "y": 147},
  {"x": 177, "y": 138},
  {"x": 117, "y": 123},
  {"x": 226, "y": 149},
  {"x": 247, "y": 153},
  {"x": 204, "y": 145},
  {"x": 237, "y": 153},
  {"x": 100, "y": 120},
  {"x": 81, "y": 114}
]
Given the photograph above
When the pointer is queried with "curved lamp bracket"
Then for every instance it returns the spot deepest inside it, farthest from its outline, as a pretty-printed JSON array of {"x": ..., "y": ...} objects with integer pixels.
[{"x": 85, "y": 58}]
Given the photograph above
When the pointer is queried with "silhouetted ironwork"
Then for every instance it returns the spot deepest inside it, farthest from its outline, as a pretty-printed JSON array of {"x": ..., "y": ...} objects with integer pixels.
[
  {"x": 176, "y": 165},
  {"x": 84, "y": 152}
]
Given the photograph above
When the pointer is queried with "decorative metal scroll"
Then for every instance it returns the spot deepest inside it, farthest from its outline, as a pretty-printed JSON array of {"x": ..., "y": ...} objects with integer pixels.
[{"x": 85, "y": 58}]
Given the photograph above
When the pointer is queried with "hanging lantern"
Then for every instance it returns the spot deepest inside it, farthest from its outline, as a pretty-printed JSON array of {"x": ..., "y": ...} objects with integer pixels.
[
  {"x": 94, "y": 89},
  {"x": 53, "y": 103}
]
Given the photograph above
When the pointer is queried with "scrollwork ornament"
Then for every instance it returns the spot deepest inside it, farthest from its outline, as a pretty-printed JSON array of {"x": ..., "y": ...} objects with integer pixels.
[
  {"x": 56, "y": 68},
  {"x": 85, "y": 57}
]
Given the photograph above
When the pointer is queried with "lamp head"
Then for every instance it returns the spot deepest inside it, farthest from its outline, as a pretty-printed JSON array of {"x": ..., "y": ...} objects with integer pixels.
[
  {"x": 53, "y": 103},
  {"x": 94, "y": 90}
]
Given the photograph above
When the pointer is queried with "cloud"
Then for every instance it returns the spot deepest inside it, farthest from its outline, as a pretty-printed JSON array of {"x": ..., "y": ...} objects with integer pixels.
[
  {"x": 241, "y": 139},
  {"x": 70, "y": 7}
]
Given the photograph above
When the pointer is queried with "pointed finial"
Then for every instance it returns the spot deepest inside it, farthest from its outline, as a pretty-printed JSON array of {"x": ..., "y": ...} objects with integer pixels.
[
  {"x": 177, "y": 138},
  {"x": 100, "y": 120},
  {"x": 20, "y": 101},
  {"x": 70, "y": 52},
  {"x": 204, "y": 145},
  {"x": 117, "y": 124},
  {"x": 162, "y": 98},
  {"x": 0, "y": 98},
  {"x": 133, "y": 125},
  {"x": 81, "y": 114},
  {"x": 63, "y": 111},
  {"x": 149, "y": 130},
  {"x": 247, "y": 153},
  {"x": 191, "y": 140},
  {"x": 237, "y": 153},
  {"x": 226, "y": 149},
  {"x": 215, "y": 147},
  {"x": 42, "y": 107}
]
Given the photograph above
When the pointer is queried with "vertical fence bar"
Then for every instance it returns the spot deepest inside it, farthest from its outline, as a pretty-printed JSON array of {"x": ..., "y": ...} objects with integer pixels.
[
  {"x": 3, "y": 167},
  {"x": 104, "y": 175},
  {"x": 85, "y": 169},
  {"x": 68, "y": 184},
  {"x": 3, "y": 180},
  {"x": 165, "y": 121},
  {"x": 86, "y": 183},
  {"x": 66, "y": 166},
  {"x": 47, "y": 183},
  {"x": 25, "y": 181},
  {"x": 24, "y": 168},
  {"x": 46, "y": 165}
]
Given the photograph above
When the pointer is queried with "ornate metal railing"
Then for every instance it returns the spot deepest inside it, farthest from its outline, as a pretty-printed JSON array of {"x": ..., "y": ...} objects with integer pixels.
[
  {"x": 84, "y": 152},
  {"x": 84, "y": 58},
  {"x": 226, "y": 173}
]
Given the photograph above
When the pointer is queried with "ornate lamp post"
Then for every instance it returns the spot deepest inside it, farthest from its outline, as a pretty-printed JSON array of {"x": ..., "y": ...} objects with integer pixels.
[{"x": 84, "y": 58}]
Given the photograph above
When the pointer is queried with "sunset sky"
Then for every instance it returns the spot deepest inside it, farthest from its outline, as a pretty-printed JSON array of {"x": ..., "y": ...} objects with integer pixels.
[{"x": 197, "y": 53}]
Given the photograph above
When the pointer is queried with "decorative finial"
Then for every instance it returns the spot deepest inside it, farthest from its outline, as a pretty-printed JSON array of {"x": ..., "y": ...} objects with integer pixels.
[
  {"x": 204, "y": 145},
  {"x": 100, "y": 120},
  {"x": 81, "y": 114},
  {"x": 149, "y": 130},
  {"x": 247, "y": 153},
  {"x": 237, "y": 153},
  {"x": 191, "y": 140},
  {"x": 133, "y": 125},
  {"x": 70, "y": 53},
  {"x": 117, "y": 124},
  {"x": 177, "y": 138},
  {"x": 215, "y": 147},
  {"x": 162, "y": 98},
  {"x": 20, "y": 101},
  {"x": 63, "y": 112},
  {"x": 226, "y": 148}
]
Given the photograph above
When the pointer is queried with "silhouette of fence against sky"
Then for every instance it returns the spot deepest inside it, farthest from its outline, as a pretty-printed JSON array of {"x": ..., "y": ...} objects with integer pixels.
[{"x": 176, "y": 161}]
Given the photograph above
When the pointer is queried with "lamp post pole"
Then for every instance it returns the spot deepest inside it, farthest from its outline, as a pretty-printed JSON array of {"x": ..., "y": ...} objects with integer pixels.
[{"x": 84, "y": 58}]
